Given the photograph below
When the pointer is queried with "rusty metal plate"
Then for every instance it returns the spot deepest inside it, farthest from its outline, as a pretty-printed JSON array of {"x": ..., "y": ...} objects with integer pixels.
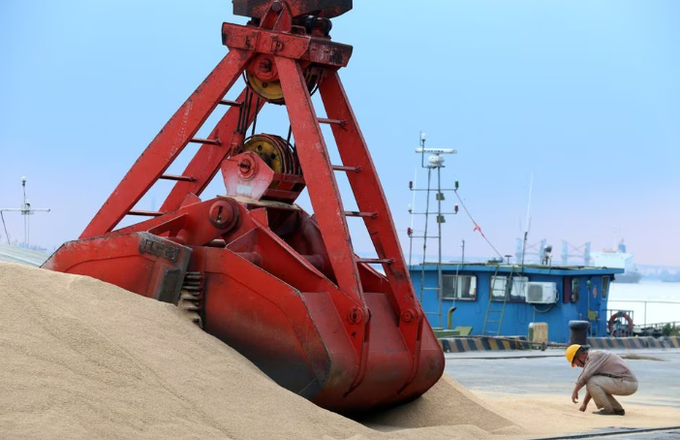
[{"x": 320, "y": 8}]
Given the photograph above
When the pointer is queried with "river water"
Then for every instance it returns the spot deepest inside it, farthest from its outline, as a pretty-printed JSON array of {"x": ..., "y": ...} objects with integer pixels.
[{"x": 651, "y": 301}]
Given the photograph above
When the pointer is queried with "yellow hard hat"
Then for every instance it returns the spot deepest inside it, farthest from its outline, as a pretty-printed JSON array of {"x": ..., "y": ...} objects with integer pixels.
[{"x": 571, "y": 353}]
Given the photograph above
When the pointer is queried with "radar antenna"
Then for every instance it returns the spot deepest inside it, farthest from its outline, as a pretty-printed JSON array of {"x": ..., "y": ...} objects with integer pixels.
[{"x": 25, "y": 210}]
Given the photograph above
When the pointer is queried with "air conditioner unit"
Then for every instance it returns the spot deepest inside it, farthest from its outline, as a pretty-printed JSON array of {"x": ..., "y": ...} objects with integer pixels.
[{"x": 541, "y": 293}]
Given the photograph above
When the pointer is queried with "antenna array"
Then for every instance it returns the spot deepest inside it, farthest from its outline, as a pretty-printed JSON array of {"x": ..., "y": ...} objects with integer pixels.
[{"x": 25, "y": 210}]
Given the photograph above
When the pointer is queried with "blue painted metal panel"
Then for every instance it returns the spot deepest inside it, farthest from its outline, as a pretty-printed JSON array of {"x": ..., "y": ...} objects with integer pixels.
[{"x": 519, "y": 315}]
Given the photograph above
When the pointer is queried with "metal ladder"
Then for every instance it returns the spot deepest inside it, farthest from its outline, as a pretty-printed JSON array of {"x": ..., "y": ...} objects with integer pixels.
[{"x": 493, "y": 320}]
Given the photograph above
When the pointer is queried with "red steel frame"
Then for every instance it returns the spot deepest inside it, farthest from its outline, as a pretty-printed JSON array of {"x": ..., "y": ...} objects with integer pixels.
[{"x": 306, "y": 281}]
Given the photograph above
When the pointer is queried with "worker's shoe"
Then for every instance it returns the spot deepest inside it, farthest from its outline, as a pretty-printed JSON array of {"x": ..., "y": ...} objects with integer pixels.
[{"x": 615, "y": 412}]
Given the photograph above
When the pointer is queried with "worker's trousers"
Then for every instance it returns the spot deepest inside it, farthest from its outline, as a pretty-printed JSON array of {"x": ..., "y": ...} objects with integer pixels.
[{"x": 602, "y": 389}]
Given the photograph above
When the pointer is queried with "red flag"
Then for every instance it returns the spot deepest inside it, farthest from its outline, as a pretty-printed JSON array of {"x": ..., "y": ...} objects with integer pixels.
[{"x": 477, "y": 228}]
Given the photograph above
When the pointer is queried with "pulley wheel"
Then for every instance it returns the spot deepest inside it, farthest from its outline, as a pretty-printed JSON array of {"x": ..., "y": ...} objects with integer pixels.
[
  {"x": 269, "y": 90},
  {"x": 274, "y": 151}
]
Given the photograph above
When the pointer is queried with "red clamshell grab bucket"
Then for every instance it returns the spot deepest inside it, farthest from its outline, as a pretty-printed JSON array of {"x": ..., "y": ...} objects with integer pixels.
[
  {"x": 285, "y": 290},
  {"x": 299, "y": 340},
  {"x": 275, "y": 310}
]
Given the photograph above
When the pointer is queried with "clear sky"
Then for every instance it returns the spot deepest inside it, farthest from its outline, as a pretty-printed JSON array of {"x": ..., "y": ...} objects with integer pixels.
[{"x": 581, "y": 98}]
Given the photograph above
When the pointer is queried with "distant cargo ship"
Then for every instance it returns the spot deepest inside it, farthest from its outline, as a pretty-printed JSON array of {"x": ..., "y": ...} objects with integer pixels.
[
  {"x": 670, "y": 278},
  {"x": 628, "y": 277},
  {"x": 620, "y": 259}
]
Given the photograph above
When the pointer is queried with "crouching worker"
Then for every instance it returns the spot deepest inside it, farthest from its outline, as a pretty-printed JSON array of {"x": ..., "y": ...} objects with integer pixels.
[{"x": 604, "y": 375}]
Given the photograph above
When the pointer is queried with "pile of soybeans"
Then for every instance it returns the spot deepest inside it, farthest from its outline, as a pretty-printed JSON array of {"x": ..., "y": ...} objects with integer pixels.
[{"x": 83, "y": 359}]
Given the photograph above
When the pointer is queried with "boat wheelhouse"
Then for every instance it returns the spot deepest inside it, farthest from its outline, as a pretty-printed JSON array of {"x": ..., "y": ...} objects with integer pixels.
[{"x": 497, "y": 299}]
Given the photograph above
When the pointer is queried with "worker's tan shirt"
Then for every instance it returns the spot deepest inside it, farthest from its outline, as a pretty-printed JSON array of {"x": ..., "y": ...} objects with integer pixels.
[{"x": 602, "y": 362}]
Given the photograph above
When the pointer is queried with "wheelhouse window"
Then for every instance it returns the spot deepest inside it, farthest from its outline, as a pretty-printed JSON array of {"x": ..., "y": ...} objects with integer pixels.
[
  {"x": 575, "y": 290},
  {"x": 605, "y": 286},
  {"x": 459, "y": 287},
  {"x": 501, "y": 290}
]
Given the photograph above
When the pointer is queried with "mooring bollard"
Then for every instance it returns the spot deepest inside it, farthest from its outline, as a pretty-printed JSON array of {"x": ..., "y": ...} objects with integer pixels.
[{"x": 578, "y": 332}]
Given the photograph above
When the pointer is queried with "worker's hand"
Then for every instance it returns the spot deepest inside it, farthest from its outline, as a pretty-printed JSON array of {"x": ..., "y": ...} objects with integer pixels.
[
  {"x": 574, "y": 396},
  {"x": 583, "y": 407}
]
